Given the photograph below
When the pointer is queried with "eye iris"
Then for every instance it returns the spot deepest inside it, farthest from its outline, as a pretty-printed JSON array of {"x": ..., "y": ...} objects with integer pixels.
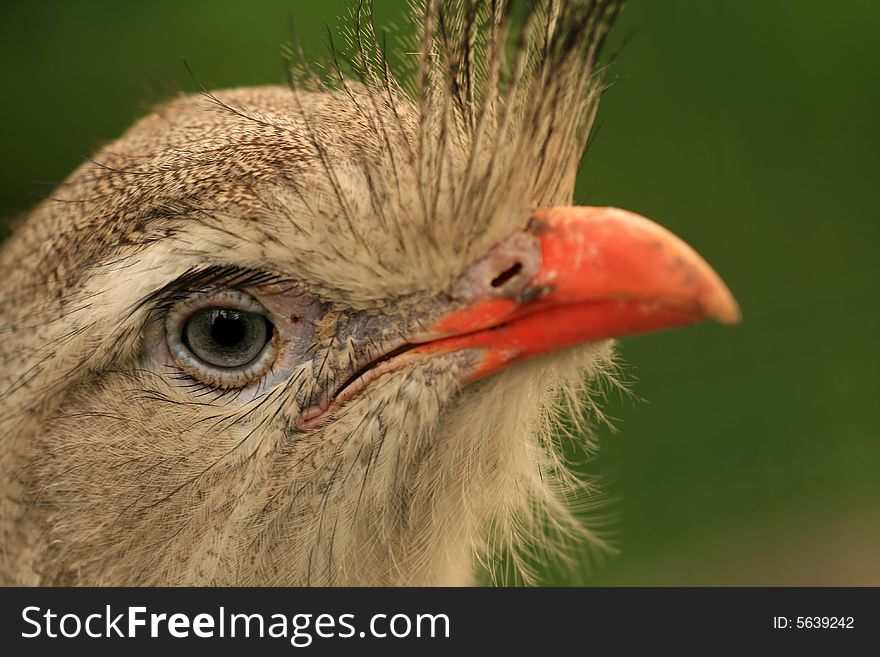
[{"x": 226, "y": 338}]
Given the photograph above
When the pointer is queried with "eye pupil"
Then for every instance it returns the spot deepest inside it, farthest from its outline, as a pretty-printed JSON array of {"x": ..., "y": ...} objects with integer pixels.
[{"x": 227, "y": 327}]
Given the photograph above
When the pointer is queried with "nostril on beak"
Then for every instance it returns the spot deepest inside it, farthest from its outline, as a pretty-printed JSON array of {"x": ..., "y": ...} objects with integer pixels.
[
  {"x": 503, "y": 272},
  {"x": 507, "y": 274}
]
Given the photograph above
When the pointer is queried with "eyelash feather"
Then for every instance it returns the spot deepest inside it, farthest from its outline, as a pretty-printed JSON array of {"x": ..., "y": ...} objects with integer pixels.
[{"x": 203, "y": 279}]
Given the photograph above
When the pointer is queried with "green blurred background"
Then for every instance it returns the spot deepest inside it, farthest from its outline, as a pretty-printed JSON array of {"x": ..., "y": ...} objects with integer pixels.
[{"x": 751, "y": 129}]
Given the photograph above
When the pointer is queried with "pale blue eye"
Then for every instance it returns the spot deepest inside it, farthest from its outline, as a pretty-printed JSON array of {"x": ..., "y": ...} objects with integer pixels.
[{"x": 223, "y": 338}]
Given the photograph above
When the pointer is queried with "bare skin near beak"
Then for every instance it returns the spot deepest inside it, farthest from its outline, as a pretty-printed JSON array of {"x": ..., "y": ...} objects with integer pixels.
[{"x": 604, "y": 273}]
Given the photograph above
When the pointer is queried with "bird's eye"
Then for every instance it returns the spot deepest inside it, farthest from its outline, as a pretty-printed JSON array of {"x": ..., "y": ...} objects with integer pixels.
[{"x": 222, "y": 338}]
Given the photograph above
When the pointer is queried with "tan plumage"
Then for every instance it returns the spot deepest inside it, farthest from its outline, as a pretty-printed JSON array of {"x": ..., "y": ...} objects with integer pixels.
[{"x": 371, "y": 197}]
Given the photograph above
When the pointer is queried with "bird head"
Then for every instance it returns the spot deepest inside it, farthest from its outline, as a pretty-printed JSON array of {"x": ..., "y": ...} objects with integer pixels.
[{"x": 319, "y": 334}]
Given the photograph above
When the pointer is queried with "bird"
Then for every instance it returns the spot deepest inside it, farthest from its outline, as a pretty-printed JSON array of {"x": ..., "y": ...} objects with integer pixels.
[{"x": 324, "y": 332}]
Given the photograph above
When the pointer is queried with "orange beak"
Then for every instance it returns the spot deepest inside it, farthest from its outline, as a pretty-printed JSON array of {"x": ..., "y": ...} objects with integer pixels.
[{"x": 603, "y": 273}]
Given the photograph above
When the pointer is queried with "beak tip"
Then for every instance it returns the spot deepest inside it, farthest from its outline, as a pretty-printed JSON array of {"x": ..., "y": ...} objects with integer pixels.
[
  {"x": 722, "y": 306},
  {"x": 729, "y": 317}
]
